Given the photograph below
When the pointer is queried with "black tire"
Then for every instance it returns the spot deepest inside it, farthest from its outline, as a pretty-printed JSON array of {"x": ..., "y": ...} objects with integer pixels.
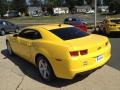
[
  {"x": 9, "y": 49},
  {"x": 45, "y": 69},
  {"x": 2, "y": 32}
]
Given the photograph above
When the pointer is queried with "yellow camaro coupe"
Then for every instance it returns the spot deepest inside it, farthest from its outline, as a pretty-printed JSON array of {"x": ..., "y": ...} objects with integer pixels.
[
  {"x": 110, "y": 25},
  {"x": 61, "y": 51}
]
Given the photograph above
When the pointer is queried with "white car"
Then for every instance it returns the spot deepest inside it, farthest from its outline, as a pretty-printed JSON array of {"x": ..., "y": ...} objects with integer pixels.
[{"x": 90, "y": 12}]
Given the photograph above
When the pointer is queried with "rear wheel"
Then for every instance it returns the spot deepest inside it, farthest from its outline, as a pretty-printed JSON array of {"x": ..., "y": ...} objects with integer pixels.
[
  {"x": 9, "y": 48},
  {"x": 45, "y": 69},
  {"x": 2, "y": 32}
]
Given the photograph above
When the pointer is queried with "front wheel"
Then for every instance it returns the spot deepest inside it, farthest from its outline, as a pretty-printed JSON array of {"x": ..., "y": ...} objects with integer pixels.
[{"x": 45, "y": 69}]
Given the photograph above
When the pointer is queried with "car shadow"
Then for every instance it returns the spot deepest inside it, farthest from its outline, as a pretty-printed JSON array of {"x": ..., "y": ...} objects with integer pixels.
[
  {"x": 115, "y": 35},
  {"x": 31, "y": 71}
]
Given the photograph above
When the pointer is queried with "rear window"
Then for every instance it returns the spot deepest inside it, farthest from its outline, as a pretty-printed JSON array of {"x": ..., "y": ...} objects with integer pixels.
[
  {"x": 117, "y": 21},
  {"x": 69, "y": 33},
  {"x": 76, "y": 23}
]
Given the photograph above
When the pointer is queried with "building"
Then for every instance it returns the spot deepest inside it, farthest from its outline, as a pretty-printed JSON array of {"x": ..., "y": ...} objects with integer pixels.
[
  {"x": 34, "y": 11},
  {"x": 83, "y": 9},
  {"x": 61, "y": 10}
]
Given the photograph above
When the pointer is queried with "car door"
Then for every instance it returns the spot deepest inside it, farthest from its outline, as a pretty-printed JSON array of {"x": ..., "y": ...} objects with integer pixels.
[
  {"x": 11, "y": 27},
  {"x": 26, "y": 39}
]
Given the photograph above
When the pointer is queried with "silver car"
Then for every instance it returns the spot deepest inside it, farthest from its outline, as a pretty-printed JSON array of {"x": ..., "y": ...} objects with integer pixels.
[{"x": 6, "y": 27}]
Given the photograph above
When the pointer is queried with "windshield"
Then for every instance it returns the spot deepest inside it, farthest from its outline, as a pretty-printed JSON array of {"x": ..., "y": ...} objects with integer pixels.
[
  {"x": 117, "y": 21},
  {"x": 69, "y": 33}
]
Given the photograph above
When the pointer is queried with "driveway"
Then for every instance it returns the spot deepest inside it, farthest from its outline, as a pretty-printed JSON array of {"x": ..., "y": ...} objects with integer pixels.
[{"x": 17, "y": 74}]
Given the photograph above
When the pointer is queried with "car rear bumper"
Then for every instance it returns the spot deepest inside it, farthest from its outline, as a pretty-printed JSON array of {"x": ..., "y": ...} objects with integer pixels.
[
  {"x": 80, "y": 65},
  {"x": 86, "y": 68},
  {"x": 115, "y": 30}
]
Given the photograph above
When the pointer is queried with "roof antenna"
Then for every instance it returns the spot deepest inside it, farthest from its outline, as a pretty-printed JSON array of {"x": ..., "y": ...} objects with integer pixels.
[{"x": 59, "y": 25}]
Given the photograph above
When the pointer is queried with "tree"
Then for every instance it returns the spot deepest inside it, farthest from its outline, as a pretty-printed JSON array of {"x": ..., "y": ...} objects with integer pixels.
[
  {"x": 89, "y": 2},
  {"x": 35, "y": 2},
  {"x": 3, "y": 7},
  {"x": 114, "y": 7},
  {"x": 19, "y": 5},
  {"x": 53, "y": 3},
  {"x": 71, "y": 5}
]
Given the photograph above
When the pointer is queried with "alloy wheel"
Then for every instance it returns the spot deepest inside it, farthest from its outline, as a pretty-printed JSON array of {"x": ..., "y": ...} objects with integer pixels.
[{"x": 44, "y": 69}]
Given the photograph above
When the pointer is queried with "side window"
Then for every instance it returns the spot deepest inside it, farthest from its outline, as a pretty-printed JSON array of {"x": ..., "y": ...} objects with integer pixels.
[
  {"x": 10, "y": 24},
  {"x": 30, "y": 34}
]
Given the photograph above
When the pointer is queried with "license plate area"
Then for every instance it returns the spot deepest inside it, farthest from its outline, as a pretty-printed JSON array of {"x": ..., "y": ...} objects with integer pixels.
[{"x": 99, "y": 58}]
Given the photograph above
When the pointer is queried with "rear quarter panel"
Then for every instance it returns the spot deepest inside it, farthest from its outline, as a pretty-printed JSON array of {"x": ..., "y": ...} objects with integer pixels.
[{"x": 57, "y": 54}]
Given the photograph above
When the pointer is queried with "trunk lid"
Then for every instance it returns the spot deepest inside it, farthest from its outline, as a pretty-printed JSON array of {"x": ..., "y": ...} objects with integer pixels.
[{"x": 92, "y": 43}]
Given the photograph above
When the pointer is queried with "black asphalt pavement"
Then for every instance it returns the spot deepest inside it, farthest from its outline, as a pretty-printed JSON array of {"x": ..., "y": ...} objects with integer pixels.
[
  {"x": 115, "y": 58},
  {"x": 115, "y": 52}
]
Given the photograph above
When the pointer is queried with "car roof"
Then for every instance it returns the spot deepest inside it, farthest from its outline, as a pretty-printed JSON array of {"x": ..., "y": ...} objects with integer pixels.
[{"x": 50, "y": 26}]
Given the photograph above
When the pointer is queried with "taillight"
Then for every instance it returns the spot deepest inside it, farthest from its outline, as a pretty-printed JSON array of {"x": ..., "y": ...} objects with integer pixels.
[
  {"x": 74, "y": 53},
  {"x": 84, "y": 52}
]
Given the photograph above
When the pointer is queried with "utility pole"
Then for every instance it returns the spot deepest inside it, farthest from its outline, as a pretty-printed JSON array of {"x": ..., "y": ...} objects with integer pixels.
[{"x": 95, "y": 16}]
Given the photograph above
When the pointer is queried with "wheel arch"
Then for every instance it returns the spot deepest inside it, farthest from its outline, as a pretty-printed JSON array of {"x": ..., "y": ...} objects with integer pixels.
[
  {"x": 36, "y": 61},
  {"x": 38, "y": 55}
]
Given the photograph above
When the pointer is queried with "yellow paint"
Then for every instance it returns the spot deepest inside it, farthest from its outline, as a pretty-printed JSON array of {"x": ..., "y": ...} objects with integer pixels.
[
  {"x": 57, "y": 51},
  {"x": 111, "y": 26}
]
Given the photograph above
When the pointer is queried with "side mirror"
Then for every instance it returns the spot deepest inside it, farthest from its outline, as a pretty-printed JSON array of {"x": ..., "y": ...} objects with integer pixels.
[{"x": 15, "y": 35}]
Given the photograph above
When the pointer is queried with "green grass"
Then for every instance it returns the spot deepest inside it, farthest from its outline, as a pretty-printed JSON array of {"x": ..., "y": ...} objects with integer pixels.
[
  {"x": 43, "y": 19},
  {"x": 58, "y": 19}
]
